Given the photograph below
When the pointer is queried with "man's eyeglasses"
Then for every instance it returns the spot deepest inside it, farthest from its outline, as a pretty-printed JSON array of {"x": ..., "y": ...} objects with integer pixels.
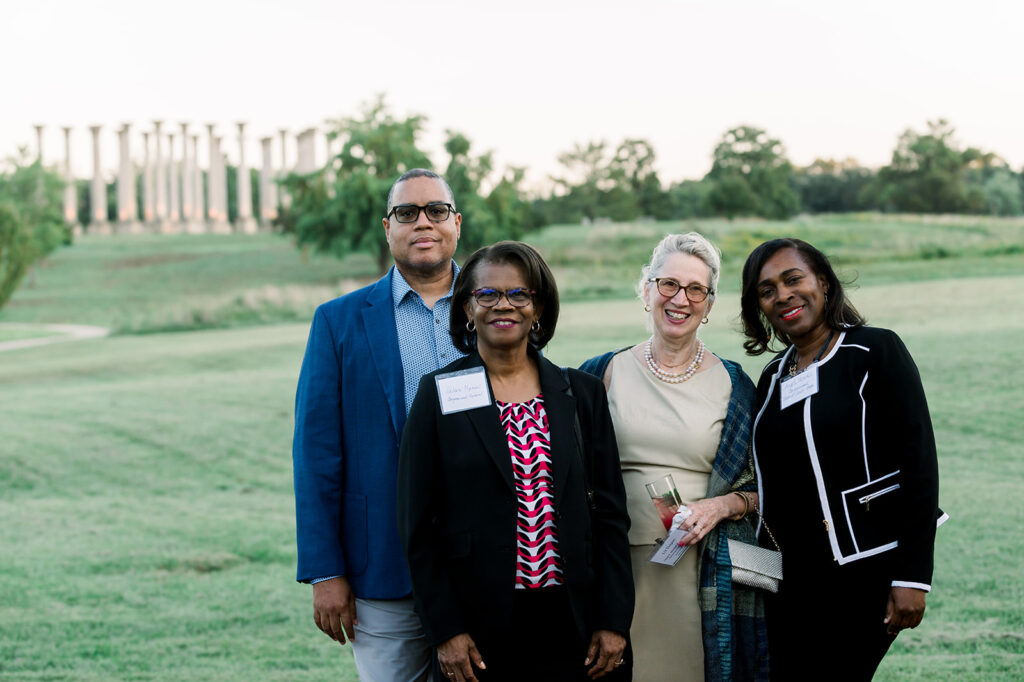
[
  {"x": 488, "y": 298},
  {"x": 408, "y": 213},
  {"x": 668, "y": 288}
]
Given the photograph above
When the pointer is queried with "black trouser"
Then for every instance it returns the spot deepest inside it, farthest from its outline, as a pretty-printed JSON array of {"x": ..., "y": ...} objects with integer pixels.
[
  {"x": 833, "y": 632},
  {"x": 544, "y": 643}
]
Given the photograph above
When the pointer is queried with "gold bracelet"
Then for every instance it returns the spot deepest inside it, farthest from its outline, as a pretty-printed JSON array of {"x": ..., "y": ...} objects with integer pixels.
[{"x": 746, "y": 503}]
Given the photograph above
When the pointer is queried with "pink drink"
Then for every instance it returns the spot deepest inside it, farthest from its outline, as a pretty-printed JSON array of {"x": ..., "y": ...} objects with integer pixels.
[{"x": 666, "y": 507}]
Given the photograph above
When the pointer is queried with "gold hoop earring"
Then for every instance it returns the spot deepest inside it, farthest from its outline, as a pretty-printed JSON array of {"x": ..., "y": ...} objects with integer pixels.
[
  {"x": 647, "y": 308},
  {"x": 705, "y": 320}
]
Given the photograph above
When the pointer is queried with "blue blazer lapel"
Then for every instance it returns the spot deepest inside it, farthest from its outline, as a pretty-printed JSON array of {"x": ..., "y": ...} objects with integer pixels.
[{"x": 382, "y": 337}]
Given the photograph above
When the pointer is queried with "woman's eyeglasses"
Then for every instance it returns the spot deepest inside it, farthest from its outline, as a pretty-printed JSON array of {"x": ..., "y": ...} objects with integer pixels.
[
  {"x": 668, "y": 288},
  {"x": 488, "y": 298}
]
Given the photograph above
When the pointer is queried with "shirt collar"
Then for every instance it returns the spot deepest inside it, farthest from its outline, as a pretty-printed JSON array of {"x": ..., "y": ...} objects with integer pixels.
[{"x": 400, "y": 288}]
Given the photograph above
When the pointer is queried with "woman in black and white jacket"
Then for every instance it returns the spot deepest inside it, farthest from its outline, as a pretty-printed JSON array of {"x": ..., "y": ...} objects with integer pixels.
[{"x": 844, "y": 448}]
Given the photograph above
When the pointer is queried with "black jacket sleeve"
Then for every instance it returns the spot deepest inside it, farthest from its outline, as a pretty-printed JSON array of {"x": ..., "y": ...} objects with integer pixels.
[
  {"x": 906, "y": 431},
  {"x": 610, "y": 522}
]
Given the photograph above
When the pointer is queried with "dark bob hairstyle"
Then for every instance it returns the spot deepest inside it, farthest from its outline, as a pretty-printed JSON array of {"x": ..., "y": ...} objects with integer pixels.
[
  {"x": 538, "y": 277},
  {"x": 839, "y": 312}
]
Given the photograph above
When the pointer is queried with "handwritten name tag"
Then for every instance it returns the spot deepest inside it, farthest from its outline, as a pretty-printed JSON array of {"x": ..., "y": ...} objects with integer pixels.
[
  {"x": 803, "y": 385},
  {"x": 463, "y": 390},
  {"x": 669, "y": 553}
]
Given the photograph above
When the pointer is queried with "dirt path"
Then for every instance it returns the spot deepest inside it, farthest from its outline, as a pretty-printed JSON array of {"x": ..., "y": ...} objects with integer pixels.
[{"x": 61, "y": 333}]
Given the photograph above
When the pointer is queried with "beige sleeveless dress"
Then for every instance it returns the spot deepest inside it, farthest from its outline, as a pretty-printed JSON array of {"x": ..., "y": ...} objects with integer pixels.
[{"x": 663, "y": 429}]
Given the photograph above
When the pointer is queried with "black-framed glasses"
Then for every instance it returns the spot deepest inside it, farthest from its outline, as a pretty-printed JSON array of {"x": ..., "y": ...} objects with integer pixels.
[
  {"x": 488, "y": 298},
  {"x": 437, "y": 211},
  {"x": 668, "y": 287}
]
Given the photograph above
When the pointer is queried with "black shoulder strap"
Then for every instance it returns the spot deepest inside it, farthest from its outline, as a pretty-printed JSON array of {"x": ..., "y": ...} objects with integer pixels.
[{"x": 585, "y": 459}]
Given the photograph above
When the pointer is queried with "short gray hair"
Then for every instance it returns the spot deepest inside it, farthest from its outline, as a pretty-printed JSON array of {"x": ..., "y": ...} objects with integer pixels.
[
  {"x": 418, "y": 173},
  {"x": 691, "y": 243}
]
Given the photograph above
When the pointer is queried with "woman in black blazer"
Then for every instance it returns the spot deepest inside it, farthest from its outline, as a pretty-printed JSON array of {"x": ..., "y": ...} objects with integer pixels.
[
  {"x": 844, "y": 448},
  {"x": 511, "y": 506}
]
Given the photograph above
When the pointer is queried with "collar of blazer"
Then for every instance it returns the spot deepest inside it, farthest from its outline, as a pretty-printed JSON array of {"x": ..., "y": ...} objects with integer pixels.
[
  {"x": 560, "y": 408},
  {"x": 382, "y": 341}
]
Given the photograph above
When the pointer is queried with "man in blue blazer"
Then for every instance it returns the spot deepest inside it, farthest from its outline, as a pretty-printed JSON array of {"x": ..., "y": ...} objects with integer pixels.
[{"x": 364, "y": 359}]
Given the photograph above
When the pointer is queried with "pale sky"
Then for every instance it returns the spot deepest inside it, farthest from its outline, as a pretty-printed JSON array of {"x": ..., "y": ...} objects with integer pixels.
[{"x": 526, "y": 79}]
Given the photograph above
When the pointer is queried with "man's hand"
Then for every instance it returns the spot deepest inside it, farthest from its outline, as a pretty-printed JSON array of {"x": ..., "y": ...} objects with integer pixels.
[
  {"x": 334, "y": 609},
  {"x": 905, "y": 609},
  {"x": 607, "y": 648},
  {"x": 457, "y": 657}
]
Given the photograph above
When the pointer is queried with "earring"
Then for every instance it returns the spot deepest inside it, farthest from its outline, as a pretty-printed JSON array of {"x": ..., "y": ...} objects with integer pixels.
[
  {"x": 470, "y": 326},
  {"x": 705, "y": 320},
  {"x": 535, "y": 327},
  {"x": 647, "y": 308},
  {"x": 826, "y": 297}
]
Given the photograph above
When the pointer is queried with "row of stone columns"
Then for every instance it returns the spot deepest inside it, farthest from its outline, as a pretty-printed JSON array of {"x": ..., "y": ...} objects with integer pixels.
[{"x": 172, "y": 188}]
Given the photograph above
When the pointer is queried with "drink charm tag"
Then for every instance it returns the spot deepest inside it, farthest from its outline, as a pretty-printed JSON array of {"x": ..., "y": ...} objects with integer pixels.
[{"x": 803, "y": 385}]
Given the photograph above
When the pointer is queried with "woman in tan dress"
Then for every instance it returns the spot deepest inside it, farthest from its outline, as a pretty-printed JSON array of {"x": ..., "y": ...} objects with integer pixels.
[{"x": 679, "y": 409}]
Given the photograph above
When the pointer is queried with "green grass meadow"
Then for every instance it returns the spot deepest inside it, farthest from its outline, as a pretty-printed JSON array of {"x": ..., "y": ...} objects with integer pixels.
[{"x": 146, "y": 508}]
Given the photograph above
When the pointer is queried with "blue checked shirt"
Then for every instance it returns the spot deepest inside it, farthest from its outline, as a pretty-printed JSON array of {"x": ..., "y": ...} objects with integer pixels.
[{"x": 423, "y": 338}]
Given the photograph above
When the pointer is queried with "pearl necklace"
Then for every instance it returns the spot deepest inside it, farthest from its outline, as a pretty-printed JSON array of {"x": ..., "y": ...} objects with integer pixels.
[{"x": 673, "y": 378}]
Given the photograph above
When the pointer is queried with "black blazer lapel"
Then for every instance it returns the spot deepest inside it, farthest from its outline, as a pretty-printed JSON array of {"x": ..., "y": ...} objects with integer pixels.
[
  {"x": 486, "y": 422},
  {"x": 561, "y": 409}
]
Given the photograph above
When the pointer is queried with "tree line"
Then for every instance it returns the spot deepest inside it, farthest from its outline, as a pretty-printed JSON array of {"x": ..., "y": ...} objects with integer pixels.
[{"x": 338, "y": 208}]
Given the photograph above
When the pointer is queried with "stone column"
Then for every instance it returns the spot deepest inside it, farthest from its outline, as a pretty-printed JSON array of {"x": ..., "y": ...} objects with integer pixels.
[
  {"x": 39, "y": 143},
  {"x": 268, "y": 187},
  {"x": 127, "y": 209},
  {"x": 148, "y": 185},
  {"x": 173, "y": 203},
  {"x": 160, "y": 207},
  {"x": 186, "y": 177},
  {"x": 221, "y": 180},
  {"x": 70, "y": 190},
  {"x": 307, "y": 152},
  {"x": 245, "y": 223},
  {"x": 217, "y": 212},
  {"x": 330, "y": 175},
  {"x": 283, "y": 199},
  {"x": 198, "y": 213},
  {"x": 98, "y": 223}
]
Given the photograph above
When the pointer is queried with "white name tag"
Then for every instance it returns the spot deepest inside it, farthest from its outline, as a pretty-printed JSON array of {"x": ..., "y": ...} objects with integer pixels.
[
  {"x": 803, "y": 385},
  {"x": 670, "y": 552},
  {"x": 463, "y": 390}
]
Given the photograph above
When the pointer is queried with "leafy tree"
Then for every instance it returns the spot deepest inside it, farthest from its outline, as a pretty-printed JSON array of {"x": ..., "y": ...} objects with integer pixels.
[
  {"x": 465, "y": 174},
  {"x": 830, "y": 186},
  {"x": 15, "y": 251},
  {"x": 731, "y": 195},
  {"x": 377, "y": 148},
  {"x": 928, "y": 173},
  {"x": 1003, "y": 194},
  {"x": 632, "y": 170},
  {"x": 31, "y": 224},
  {"x": 587, "y": 177},
  {"x": 690, "y": 199},
  {"x": 751, "y": 174},
  {"x": 513, "y": 214},
  {"x": 36, "y": 195},
  {"x": 600, "y": 183}
]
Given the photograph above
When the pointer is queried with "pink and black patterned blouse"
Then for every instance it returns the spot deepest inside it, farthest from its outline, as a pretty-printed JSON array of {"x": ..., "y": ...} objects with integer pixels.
[{"x": 538, "y": 563}]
